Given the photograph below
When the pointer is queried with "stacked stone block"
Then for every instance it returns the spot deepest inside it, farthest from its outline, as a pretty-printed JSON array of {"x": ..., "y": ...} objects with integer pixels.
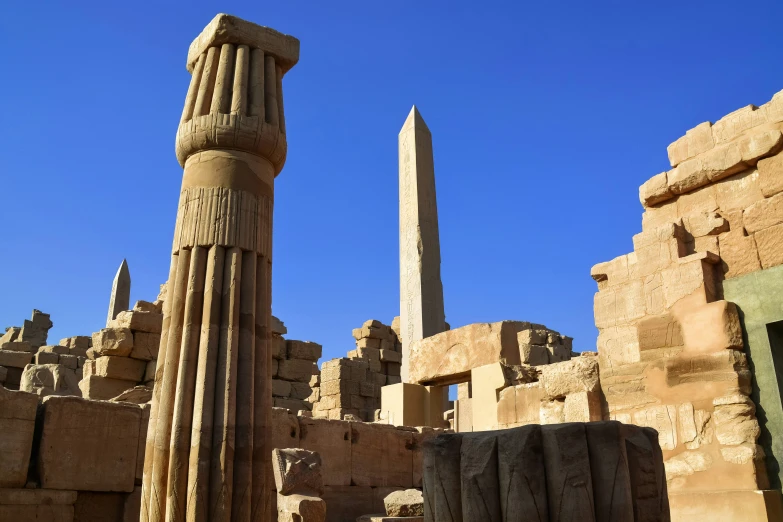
[
  {"x": 294, "y": 369},
  {"x": 125, "y": 354},
  {"x": 18, "y": 345},
  {"x": 379, "y": 345}
]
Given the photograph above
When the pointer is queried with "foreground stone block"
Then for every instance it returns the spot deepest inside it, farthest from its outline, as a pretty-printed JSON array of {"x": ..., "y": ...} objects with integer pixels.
[
  {"x": 113, "y": 341},
  {"x": 103, "y": 388},
  {"x": 88, "y": 445},
  {"x": 580, "y": 374},
  {"x": 150, "y": 322},
  {"x": 14, "y": 359},
  {"x": 17, "y": 423},
  {"x": 297, "y": 471},
  {"x": 36, "y": 505},
  {"x": 123, "y": 368}
]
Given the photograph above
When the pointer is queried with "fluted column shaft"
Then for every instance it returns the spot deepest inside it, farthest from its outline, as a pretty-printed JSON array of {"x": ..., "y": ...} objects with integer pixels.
[{"x": 207, "y": 445}]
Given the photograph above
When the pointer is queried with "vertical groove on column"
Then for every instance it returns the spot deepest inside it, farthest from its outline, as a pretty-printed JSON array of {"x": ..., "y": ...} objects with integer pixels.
[
  {"x": 270, "y": 86},
  {"x": 207, "y": 83},
  {"x": 204, "y": 402},
  {"x": 223, "y": 435},
  {"x": 280, "y": 114},
  {"x": 190, "y": 99},
  {"x": 243, "y": 447},
  {"x": 186, "y": 383},
  {"x": 239, "y": 91},
  {"x": 262, "y": 394},
  {"x": 167, "y": 388},
  {"x": 149, "y": 448},
  {"x": 255, "y": 102},
  {"x": 221, "y": 97}
]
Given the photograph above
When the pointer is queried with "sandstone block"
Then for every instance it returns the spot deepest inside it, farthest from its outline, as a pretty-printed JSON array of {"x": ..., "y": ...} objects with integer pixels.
[
  {"x": 123, "y": 368},
  {"x": 390, "y": 356},
  {"x": 738, "y": 253},
  {"x": 113, "y": 341},
  {"x": 19, "y": 346},
  {"x": 295, "y": 508},
  {"x": 381, "y": 455},
  {"x": 692, "y": 273},
  {"x": 46, "y": 358},
  {"x": 770, "y": 246},
  {"x": 69, "y": 361},
  {"x": 145, "y": 346},
  {"x": 619, "y": 305},
  {"x": 735, "y": 421},
  {"x": 340, "y": 387},
  {"x": 278, "y": 347},
  {"x": 771, "y": 175},
  {"x": 135, "y": 395},
  {"x": 49, "y": 379},
  {"x": 149, "y": 371},
  {"x": 15, "y": 359},
  {"x": 582, "y": 407},
  {"x": 285, "y": 432},
  {"x": 146, "y": 306},
  {"x": 81, "y": 342},
  {"x": 72, "y": 429},
  {"x": 551, "y": 411},
  {"x": 17, "y": 423},
  {"x": 696, "y": 141},
  {"x": 298, "y": 370},
  {"x": 11, "y": 334},
  {"x": 297, "y": 471},
  {"x": 300, "y": 390},
  {"x": 655, "y": 190},
  {"x": 332, "y": 439},
  {"x": 99, "y": 507},
  {"x": 456, "y": 352},
  {"x": 717, "y": 163},
  {"x": 281, "y": 388},
  {"x": 577, "y": 375},
  {"x": 406, "y": 503},
  {"x": 34, "y": 505},
  {"x": 738, "y": 192},
  {"x": 735, "y": 123},
  {"x": 368, "y": 343},
  {"x": 663, "y": 419},
  {"x": 139, "y": 321},
  {"x": 303, "y": 350},
  {"x": 712, "y": 327},
  {"x": 759, "y": 145},
  {"x": 103, "y": 388},
  {"x": 763, "y": 214}
]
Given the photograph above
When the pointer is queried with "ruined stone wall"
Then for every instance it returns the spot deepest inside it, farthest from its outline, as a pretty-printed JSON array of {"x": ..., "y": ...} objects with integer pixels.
[
  {"x": 670, "y": 348},
  {"x": 294, "y": 371}
]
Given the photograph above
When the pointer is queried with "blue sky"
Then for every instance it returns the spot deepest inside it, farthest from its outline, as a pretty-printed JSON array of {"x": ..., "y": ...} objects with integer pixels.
[{"x": 546, "y": 117}]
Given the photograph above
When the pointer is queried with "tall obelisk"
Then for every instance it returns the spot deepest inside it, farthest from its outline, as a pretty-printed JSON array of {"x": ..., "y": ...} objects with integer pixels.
[
  {"x": 120, "y": 293},
  {"x": 421, "y": 290},
  {"x": 208, "y": 440}
]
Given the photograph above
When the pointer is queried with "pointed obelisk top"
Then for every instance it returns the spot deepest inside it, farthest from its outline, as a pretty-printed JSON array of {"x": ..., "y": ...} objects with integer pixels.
[
  {"x": 120, "y": 293},
  {"x": 414, "y": 121}
]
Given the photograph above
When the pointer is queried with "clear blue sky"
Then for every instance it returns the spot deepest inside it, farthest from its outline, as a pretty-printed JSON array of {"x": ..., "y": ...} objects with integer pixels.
[{"x": 546, "y": 117}]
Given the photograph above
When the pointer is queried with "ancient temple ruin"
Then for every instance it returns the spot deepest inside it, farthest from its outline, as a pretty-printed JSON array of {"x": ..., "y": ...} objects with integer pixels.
[{"x": 196, "y": 406}]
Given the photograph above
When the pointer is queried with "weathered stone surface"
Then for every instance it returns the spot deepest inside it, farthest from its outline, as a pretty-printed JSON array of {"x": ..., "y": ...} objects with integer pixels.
[
  {"x": 136, "y": 395},
  {"x": 303, "y": 350},
  {"x": 738, "y": 253},
  {"x": 299, "y": 370},
  {"x": 456, "y": 352},
  {"x": 19, "y": 346},
  {"x": 333, "y": 440},
  {"x": 648, "y": 479},
  {"x": 17, "y": 422},
  {"x": 13, "y": 359},
  {"x": 696, "y": 141},
  {"x": 663, "y": 420},
  {"x": 771, "y": 175},
  {"x": 150, "y": 322},
  {"x": 281, "y": 388},
  {"x": 113, "y": 341},
  {"x": 406, "y": 503},
  {"x": 300, "y": 508},
  {"x": 49, "y": 379},
  {"x": 717, "y": 163},
  {"x": 37, "y": 505},
  {"x": 521, "y": 471},
  {"x": 735, "y": 421},
  {"x": 346, "y": 503},
  {"x": 103, "y": 388},
  {"x": 568, "y": 475},
  {"x": 711, "y": 327},
  {"x": 580, "y": 374},
  {"x": 28, "y": 496},
  {"x": 72, "y": 429},
  {"x": 479, "y": 478},
  {"x": 442, "y": 484},
  {"x": 36, "y": 331},
  {"x": 763, "y": 214},
  {"x": 123, "y": 368},
  {"x": 609, "y": 471},
  {"x": 46, "y": 358},
  {"x": 120, "y": 292},
  {"x": 145, "y": 346},
  {"x": 381, "y": 455},
  {"x": 770, "y": 246},
  {"x": 297, "y": 471},
  {"x": 11, "y": 334},
  {"x": 619, "y": 305},
  {"x": 655, "y": 190},
  {"x": 582, "y": 407},
  {"x": 552, "y": 411}
]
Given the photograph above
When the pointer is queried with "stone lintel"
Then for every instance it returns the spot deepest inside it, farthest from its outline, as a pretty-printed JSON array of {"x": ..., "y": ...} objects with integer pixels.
[{"x": 226, "y": 28}]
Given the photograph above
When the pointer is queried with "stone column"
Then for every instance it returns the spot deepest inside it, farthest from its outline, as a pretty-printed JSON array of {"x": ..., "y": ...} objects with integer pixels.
[
  {"x": 421, "y": 290},
  {"x": 120, "y": 293},
  {"x": 208, "y": 441}
]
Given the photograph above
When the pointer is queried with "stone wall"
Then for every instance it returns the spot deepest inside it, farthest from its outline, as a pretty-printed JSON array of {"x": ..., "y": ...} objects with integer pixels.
[
  {"x": 671, "y": 348},
  {"x": 294, "y": 370}
]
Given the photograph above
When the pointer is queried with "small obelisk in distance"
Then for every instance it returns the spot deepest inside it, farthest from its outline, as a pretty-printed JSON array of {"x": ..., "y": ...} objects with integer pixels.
[
  {"x": 421, "y": 291},
  {"x": 120, "y": 293}
]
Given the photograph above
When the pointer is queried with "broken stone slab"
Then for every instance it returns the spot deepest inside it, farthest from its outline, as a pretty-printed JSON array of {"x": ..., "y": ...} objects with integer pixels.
[
  {"x": 135, "y": 395},
  {"x": 123, "y": 368},
  {"x": 580, "y": 374},
  {"x": 73, "y": 429},
  {"x": 406, "y": 503},
  {"x": 17, "y": 423},
  {"x": 81, "y": 342},
  {"x": 303, "y": 350},
  {"x": 300, "y": 508},
  {"x": 13, "y": 359},
  {"x": 277, "y": 326},
  {"x": 297, "y": 471},
  {"x": 55, "y": 379},
  {"x": 112, "y": 341},
  {"x": 103, "y": 388},
  {"x": 150, "y": 322},
  {"x": 146, "y": 306},
  {"x": 36, "y": 331},
  {"x": 11, "y": 334}
]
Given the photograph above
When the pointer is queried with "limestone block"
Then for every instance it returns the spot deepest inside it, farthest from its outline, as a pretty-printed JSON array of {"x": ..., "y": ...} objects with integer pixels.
[
  {"x": 663, "y": 419},
  {"x": 582, "y": 407},
  {"x": 711, "y": 327},
  {"x": 72, "y": 429},
  {"x": 735, "y": 421},
  {"x": 123, "y": 368},
  {"x": 296, "y": 508},
  {"x": 717, "y": 163},
  {"x": 390, "y": 356},
  {"x": 442, "y": 484},
  {"x": 145, "y": 346},
  {"x": 139, "y": 321},
  {"x": 303, "y": 350},
  {"x": 298, "y": 370},
  {"x": 456, "y": 352},
  {"x": 759, "y": 144},
  {"x": 479, "y": 478},
  {"x": 692, "y": 273},
  {"x": 735, "y": 123},
  {"x": 655, "y": 190},
  {"x": 300, "y": 390},
  {"x": 406, "y": 503},
  {"x": 568, "y": 476},
  {"x": 618, "y": 345},
  {"x": 552, "y": 411},
  {"x": 15, "y": 359},
  {"x": 738, "y": 192},
  {"x": 366, "y": 342},
  {"x": 345, "y": 503},
  {"x": 332, "y": 440},
  {"x": 113, "y": 341},
  {"x": 103, "y": 388},
  {"x": 340, "y": 387},
  {"x": 763, "y": 214},
  {"x": 696, "y": 141},
  {"x": 381, "y": 455},
  {"x": 69, "y": 361},
  {"x": 297, "y": 471},
  {"x": 770, "y": 246},
  {"x": 619, "y": 305},
  {"x": 738, "y": 253},
  {"x": 278, "y": 348},
  {"x": 17, "y": 423},
  {"x": 281, "y": 388},
  {"x": 19, "y": 346},
  {"x": 771, "y": 175},
  {"x": 606, "y": 274},
  {"x": 609, "y": 471},
  {"x": 577, "y": 375},
  {"x": 47, "y": 358}
]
